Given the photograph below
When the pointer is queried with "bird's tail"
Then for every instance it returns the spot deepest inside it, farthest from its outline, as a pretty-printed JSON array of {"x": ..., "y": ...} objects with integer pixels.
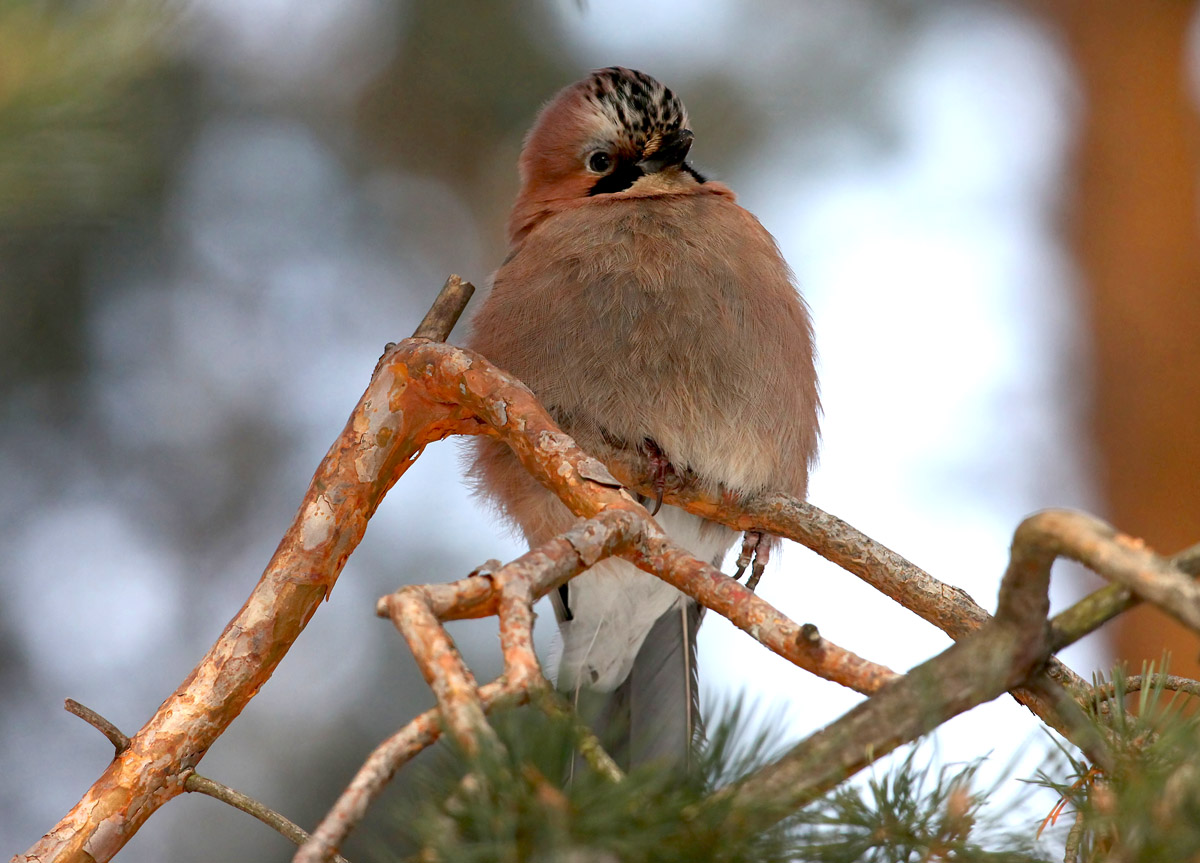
[{"x": 654, "y": 715}]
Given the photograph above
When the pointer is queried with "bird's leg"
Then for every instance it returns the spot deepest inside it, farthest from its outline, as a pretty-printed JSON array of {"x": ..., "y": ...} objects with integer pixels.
[
  {"x": 660, "y": 467},
  {"x": 750, "y": 540},
  {"x": 762, "y": 556},
  {"x": 756, "y": 546}
]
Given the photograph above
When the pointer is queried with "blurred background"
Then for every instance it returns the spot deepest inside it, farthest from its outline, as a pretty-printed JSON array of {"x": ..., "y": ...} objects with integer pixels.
[{"x": 213, "y": 215}]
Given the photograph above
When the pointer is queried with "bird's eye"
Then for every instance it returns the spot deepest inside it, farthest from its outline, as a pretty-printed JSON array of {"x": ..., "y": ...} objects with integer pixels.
[{"x": 599, "y": 162}]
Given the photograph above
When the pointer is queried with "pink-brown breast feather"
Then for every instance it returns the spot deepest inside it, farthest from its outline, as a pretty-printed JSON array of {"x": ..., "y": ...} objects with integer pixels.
[{"x": 670, "y": 317}]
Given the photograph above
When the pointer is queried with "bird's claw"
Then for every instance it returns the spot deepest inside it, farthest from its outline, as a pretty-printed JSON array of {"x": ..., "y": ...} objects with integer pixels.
[
  {"x": 755, "y": 548},
  {"x": 660, "y": 467}
]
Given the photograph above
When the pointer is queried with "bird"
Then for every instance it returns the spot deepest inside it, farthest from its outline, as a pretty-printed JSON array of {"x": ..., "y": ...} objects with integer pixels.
[{"x": 651, "y": 315}]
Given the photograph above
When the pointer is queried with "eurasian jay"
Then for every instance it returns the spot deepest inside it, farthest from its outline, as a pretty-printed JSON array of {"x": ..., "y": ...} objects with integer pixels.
[{"x": 648, "y": 312}]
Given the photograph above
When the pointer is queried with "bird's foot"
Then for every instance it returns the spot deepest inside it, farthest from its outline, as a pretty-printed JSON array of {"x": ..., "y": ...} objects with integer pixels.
[
  {"x": 660, "y": 469},
  {"x": 756, "y": 547}
]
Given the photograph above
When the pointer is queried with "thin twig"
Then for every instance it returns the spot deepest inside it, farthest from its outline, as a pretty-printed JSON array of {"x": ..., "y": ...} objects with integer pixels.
[
  {"x": 198, "y": 783},
  {"x": 279, "y": 823},
  {"x": 521, "y": 667},
  {"x": 115, "y": 736},
  {"x": 377, "y": 771},
  {"x": 445, "y": 311},
  {"x": 555, "y": 706},
  {"x": 1074, "y": 838},
  {"x": 1101, "y": 606},
  {"x": 443, "y": 667},
  {"x": 1074, "y": 723},
  {"x": 1134, "y": 683}
]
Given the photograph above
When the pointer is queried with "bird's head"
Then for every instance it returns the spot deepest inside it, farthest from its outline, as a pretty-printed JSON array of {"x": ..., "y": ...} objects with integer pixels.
[{"x": 616, "y": 131}]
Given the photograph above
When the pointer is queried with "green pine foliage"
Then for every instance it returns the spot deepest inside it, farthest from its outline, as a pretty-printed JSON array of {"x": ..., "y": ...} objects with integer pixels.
[
  {"x": 514, "y": 806},
  {"x": 912, "y": 813},
  {"x": 1146, "y": 806}
]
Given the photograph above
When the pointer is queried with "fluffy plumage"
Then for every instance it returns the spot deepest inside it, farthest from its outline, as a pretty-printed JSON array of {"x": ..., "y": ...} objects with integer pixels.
[{"x": 647, "y": 310}]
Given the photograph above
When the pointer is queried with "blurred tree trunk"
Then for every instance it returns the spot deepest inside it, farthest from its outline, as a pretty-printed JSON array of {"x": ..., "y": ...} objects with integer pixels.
[{"x": 1136, "y": 235}]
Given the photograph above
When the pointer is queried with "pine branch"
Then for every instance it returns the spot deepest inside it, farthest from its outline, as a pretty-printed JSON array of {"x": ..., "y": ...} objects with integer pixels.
[
  {"x": 422, "y": 391},
  {"x": 200, "y": 784}
]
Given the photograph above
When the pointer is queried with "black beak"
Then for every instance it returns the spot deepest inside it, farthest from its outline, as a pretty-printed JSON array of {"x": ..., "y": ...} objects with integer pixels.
[{"x": 670, "y": 153}]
